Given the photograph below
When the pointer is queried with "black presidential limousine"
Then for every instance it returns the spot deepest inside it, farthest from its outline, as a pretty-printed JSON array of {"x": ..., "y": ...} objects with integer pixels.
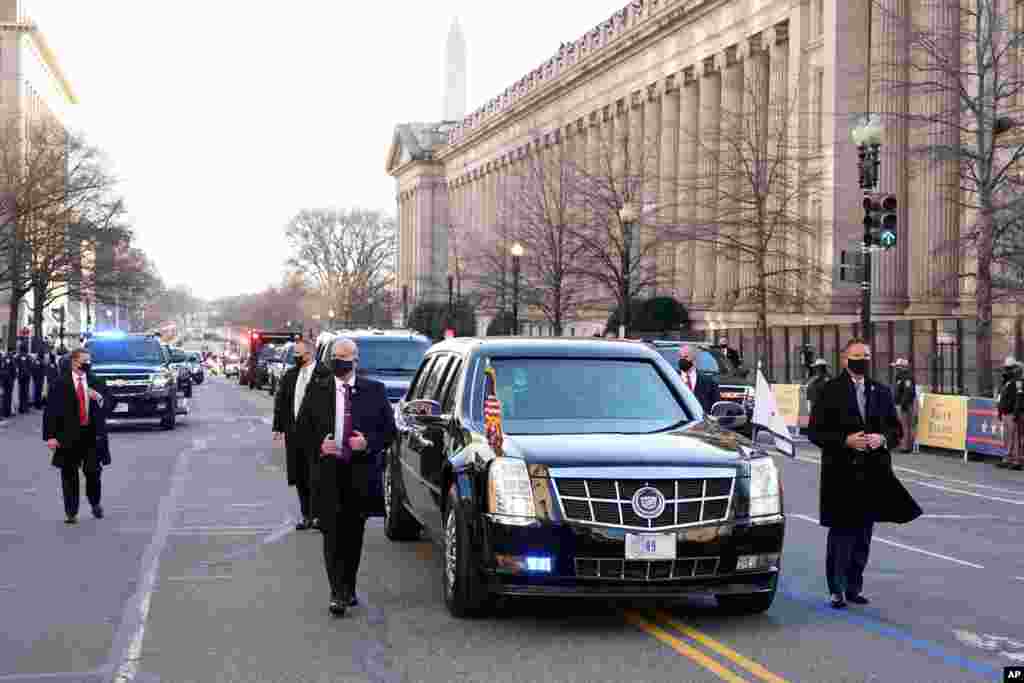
[{"x": 610, "y": 482}]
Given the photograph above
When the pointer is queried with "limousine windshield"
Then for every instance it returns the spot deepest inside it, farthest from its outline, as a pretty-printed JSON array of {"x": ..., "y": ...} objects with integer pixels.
[{"x": 585, "y": 396}]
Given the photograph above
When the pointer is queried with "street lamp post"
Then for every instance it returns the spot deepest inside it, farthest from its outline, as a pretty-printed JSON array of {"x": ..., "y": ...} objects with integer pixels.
[
  {"x": 517, "y": 252},
  {"x": 628, "y": 216},
  {"x": 405, "y": 306},
  {"x": 867, "y": 135},
  {"x": 451, "y": 304},
  {"x": 62, "y": 313},
  {"x": 88, "y": 316}
]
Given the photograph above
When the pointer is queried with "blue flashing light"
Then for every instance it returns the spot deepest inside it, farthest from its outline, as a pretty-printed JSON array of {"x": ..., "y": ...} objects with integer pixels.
[
  {"x": 538, "y": 564},
  {"x": 111, "y": 334}
]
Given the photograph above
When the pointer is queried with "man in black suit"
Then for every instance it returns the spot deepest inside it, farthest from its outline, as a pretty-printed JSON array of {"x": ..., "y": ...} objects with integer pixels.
[
  {"x": 287, "y": 406},
  {"x": 854, "y": 423},
  {"x": 702, "y": 386},
  {"x": 24, "y": 381},
  {"x": 74, "y": 428},
  {"x": 349, "y": 421}
]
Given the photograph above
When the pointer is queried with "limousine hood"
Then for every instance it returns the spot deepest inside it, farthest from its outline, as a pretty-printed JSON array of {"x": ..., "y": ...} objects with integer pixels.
[
  {"x": 125, "y": 368},
  {"x": 696, "y": 445}
]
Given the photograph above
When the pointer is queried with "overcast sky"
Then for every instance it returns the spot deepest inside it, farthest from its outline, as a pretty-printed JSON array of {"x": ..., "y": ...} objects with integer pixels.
[{"x": 224, "y": 118}]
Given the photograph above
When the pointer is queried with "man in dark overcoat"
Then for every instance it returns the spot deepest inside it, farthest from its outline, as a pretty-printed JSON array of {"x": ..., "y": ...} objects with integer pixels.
[
  {"x": 701, "y": 384},
  {"x": 39, "y": 368},
  {"x": 349, "y": 421},
  {"x": 75, "y": 430},
  {"x": 855, "y": 424},
  {"x": 287, "y": 406},
  {"x": 8, "y": 374},
  {"x": 24, "y": 381}
]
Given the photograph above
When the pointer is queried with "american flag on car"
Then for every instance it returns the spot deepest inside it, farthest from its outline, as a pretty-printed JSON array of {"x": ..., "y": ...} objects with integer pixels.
[{"x": 492, "y": 410}]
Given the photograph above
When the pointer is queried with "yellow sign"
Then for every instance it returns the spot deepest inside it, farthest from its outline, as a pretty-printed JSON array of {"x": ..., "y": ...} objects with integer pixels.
[
  {"x": 787, "y": 398},
  {"x": 943, "y": 422}
]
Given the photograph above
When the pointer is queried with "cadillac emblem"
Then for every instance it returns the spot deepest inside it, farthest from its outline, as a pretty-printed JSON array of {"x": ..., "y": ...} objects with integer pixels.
[{"x": 648, "y": 502}]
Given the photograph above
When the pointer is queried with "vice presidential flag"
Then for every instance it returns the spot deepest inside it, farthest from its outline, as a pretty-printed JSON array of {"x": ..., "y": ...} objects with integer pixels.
[
  {"x": 492, "y": 410},
  {"x": 768, "y": 417}
]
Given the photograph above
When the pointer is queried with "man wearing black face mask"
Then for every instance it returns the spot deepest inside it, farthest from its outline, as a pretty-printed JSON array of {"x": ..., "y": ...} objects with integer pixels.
[
  {"x": 349, "y": 421},
  {"x": 75, "y": 432},
  {"x": 854, "y": 423},
  {"x": 702, "y": 386},
  {"x": 288, "y": 404}
]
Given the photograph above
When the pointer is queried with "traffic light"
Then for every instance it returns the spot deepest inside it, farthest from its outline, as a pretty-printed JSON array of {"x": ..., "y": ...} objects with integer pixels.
[{"x": 880, "y": 220}]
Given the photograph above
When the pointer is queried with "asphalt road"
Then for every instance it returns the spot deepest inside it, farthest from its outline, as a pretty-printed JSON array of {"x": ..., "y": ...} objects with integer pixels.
[{"x": 196, "y": 574}]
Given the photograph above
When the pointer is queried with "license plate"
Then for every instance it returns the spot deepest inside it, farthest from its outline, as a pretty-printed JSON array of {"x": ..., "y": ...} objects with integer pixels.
[
  {"x": 122, "y": 408},
  {"x": 650, "y": 546}
]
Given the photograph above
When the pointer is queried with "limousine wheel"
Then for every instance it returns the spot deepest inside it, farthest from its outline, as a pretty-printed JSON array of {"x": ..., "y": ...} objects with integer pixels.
[
  {"x": 754, "y": 603},
  {"x": 398, "y": 523},
  {"x": 465, "y": 594}
]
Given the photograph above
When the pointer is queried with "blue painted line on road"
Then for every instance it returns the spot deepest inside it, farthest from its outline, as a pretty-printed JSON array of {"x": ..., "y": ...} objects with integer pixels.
[{"x": 930, "y": 648}]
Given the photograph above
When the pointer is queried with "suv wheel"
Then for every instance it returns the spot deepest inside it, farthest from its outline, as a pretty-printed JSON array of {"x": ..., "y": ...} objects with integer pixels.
[
  {"x": 753, "y": 603},
  {"x": 170, "y": 420},
  {"x": 398, "y": 523},
  {"x": 465, "y": 593}
]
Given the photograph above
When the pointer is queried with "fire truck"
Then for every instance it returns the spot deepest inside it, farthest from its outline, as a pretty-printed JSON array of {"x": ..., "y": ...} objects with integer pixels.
[{"x": 258, "y": 341}]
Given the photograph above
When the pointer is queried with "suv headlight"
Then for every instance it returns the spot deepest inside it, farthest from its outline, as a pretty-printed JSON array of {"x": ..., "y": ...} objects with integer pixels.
[
  {"x": 765, "y": 488},
  {"x": 159, "y": 381},
  {"x": 508, "y": 488}
]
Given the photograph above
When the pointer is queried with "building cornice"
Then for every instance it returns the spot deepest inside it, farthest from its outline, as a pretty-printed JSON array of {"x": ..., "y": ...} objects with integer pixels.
[
  {"x": 615, "y": 39},
  {"x": 45, "y": 51}
]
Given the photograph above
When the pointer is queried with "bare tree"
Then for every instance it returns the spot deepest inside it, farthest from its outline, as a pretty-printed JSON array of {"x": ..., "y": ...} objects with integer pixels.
[
  {"x": 58, "y": 200},
  {"x": 620, "y": 259},
  {"x": 348, "y": 255},
  {"x": 751, "y": 210},
  {"x": 542, "y": 213},
  {"x": 953, "y": 74}
]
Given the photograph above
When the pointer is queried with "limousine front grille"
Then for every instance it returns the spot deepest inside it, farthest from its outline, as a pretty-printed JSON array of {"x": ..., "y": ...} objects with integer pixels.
[
  {"x": 609, "y": 502},
  {"x": 646, "y": 570}
]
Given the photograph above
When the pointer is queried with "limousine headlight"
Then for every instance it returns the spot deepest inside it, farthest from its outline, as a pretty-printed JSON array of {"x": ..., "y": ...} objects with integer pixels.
[
  {"x": 509, "y": 490},
  {"x": 159, "y": 381},
  {"x": 765, "y": 490}
]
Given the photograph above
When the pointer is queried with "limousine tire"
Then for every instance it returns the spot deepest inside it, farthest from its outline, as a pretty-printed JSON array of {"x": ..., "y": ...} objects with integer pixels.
[
  {"x": 399, "y": 525},
  {"x": 739, "y": 605},
  {"x": 170, "y": 418},
  {"x": 465, "y": 593}
]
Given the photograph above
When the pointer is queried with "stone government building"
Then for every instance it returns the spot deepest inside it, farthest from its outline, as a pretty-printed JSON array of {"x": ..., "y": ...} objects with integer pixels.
[{"x": 669, "y": 66}]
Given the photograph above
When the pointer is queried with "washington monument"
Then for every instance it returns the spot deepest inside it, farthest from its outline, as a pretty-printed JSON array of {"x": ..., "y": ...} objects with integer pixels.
[{"x": 455, "y": 74}]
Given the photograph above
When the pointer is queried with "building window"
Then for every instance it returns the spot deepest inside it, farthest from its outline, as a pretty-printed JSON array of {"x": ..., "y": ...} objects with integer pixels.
[{"x": 819, "y": 18}]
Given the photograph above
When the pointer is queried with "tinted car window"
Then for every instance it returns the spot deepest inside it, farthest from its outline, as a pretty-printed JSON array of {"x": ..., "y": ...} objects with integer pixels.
[
  {"x": 125, "y": 351},
  {"x": 449, "y": 392},
  {"x": 433, "y": 381},
  {"x": 377, "y": 355},
  {"x": 706, "y": 361},
  {"x": 178, "y": 356},
  {"x": 584, "y": 396},
  {"x": 423, "y": 378}
]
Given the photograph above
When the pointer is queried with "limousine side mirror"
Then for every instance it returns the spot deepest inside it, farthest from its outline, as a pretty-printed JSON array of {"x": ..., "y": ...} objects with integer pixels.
[
  {"x": 423, "y": 411},
  {"x": 729, "y": 415}
]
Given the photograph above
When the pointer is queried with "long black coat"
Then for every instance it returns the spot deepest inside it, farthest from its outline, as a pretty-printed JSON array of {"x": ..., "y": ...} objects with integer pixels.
[
  {"x": 286, "y": 423},
  {"x": 61, "y": 422},
  {"x": 858, "y": 488},
  {"x": 352, "y": 487}
]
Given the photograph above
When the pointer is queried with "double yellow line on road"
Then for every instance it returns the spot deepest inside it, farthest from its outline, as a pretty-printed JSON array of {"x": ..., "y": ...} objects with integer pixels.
[{"x": 658, "y": 625}]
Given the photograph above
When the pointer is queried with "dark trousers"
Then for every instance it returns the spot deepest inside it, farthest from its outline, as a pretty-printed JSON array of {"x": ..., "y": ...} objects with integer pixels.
[
  {"x": 343, "y": 549},
  {"x": 846, "y": 557},
  {"x": 70, "y": 484},
  {"x": 37, "y": 392},
  {"x": 304, "y": 489},
  {"x": 7, "y": 402},
  {"x": 23, "y": 402}
]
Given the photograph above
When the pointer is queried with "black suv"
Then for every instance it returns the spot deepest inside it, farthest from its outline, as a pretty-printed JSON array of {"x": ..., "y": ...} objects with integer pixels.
[
  {"x": 388, "y": 356},
  {"x": 605, "y": 484},
  {"x": 138, "y": 373}
]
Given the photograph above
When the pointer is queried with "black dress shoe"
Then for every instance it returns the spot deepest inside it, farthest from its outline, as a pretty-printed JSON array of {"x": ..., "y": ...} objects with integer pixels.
[
  {"x": 858, "y": 599},
  {"x": 303, "y": 524},
  {"x": 1002, "y": 464},
  {"x": 352, "y": 600},
  {"x": 837, "y": 602},
  {"x": 336, "y": 607},
  {"x": 97, "y": 511},
  {"x": 1015, "y": 468},
  {"x": 71, "y": 519},
  {"x": 314, "y": 523}
]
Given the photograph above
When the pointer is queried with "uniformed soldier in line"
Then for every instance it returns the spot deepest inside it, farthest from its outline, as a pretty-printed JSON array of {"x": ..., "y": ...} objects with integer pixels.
[
  {"x": 38, "y": 378},
  {"x": 905, "y": 393},
  {"x": 24, "y": 380},
  {"x": 817, "y": 382},
  {"x": 8, "y": 371},
  {"x": 1011, "y": 412}
]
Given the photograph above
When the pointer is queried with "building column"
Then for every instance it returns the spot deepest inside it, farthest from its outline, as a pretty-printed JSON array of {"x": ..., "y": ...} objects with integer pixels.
[
  {"x": 710, "y": 136},
  {"x": 689, "y": 158},
  {"x": 781, "y": 135},
  {"x": 668, "y": 193},
  {"x": 648, "y": 169},
  {"x": 731, "y": 174}
]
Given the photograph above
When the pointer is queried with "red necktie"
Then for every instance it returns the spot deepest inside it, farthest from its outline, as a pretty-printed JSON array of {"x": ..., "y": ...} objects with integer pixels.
[
  {"x": 689, "y": 381},
  {"x": 83, "y": 416}
]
